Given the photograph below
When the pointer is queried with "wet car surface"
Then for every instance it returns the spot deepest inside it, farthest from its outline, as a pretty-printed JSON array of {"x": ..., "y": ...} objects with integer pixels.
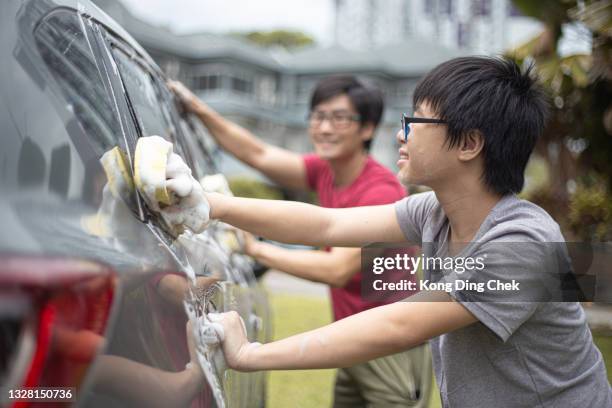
[{"x": 95, "y": 291}]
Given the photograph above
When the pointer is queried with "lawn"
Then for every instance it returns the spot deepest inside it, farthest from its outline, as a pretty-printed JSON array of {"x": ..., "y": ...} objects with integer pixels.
[
  {"x": 605, "y": 346},
  {"x": 305, "y": 389},
  {"x": 301, "y": 389}
]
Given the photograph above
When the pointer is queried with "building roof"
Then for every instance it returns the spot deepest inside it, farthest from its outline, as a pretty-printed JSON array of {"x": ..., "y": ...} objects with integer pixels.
[
  {"x": 407, "y": 58},
  {"x": 411, "y": 57},
  {"x": 190, "y": 46}
]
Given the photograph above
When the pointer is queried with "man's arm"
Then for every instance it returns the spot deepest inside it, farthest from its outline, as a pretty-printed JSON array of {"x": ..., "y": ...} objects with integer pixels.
[
  {"x": 358, "y": 338},
  {"x": 282, "y": 166},
  {"x": 334, "y": 268},
  {"x": 299, "y": 223}
]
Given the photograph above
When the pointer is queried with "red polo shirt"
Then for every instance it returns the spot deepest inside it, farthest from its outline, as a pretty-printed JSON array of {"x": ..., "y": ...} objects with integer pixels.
[{"x": 375, "y": 185}]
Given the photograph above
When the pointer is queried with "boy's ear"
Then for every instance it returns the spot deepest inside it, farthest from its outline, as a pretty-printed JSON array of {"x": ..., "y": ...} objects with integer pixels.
[
  {"x": 471, "y": 145},
  {"x": 366, "y": 131}
]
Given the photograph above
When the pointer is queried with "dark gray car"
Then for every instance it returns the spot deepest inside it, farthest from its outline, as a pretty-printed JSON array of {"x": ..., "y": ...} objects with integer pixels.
[{"x": 95, "y": 292}]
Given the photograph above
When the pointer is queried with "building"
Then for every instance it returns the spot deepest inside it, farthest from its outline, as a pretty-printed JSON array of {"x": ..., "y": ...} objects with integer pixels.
[
  {"x": 477, "y": 26},
  {"x": 268, "y": 92}
]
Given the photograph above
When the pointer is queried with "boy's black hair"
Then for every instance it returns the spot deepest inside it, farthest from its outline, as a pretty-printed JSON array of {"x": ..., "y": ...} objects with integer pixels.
[
  {"x": 493, "y": 96},
  {"x": 368, "y": 101}
]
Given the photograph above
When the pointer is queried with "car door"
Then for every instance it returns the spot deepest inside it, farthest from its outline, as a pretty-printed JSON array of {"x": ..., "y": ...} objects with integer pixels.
[
  {"x": 205, "y": 152},
  {"x": 207, "y": 255},
  {"x": 68, "y": 212}
]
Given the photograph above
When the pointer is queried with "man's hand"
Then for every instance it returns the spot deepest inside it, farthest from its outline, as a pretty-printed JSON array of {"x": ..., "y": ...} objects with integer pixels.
[
  {"x": 249, "y": 244},
  {"x": 192, "y": 209},
  {"x": 233, "y": 336},
  {"x": 191, "y": 102},
  {"x": 168, "y": 187}
]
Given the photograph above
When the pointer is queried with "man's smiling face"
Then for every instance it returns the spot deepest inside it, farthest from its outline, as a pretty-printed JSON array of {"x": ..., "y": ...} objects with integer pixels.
[
  {"x": 425, "y": 158},
  {"x": 342, "y": 139}
]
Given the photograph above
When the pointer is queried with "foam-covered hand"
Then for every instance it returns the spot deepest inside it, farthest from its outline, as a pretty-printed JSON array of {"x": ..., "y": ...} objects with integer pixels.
[
  {"x": 191, "y": 209},
  {"x": 232, "y": 334},
  {"x": 168, "y": 187}
]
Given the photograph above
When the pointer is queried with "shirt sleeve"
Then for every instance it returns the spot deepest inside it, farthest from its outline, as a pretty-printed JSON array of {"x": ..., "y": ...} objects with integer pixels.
[
  {"x": 501, "y": 307},
  {"x": 380, "y": 195},
  {"x": 313, "y": 165},
  {"x": 412, "y": 214}
]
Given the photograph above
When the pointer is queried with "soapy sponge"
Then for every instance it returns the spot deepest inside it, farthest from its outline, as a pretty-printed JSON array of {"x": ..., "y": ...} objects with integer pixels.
[
  {"x": 150, "y": 163},
  {"x": 168, "y": 187},
  {"x": 118, "y": 174}
]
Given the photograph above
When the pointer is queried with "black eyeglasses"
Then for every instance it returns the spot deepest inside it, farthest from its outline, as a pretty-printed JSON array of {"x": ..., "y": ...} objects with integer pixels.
[
  {"x": 407, "y": 120},
  {"x": 338, "y": 119}
]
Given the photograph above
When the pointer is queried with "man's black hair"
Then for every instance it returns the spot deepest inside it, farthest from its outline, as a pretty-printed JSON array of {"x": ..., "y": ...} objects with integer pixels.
[
  {"x": 493, "y": 96},
  {"x": 368, "y": 101}
]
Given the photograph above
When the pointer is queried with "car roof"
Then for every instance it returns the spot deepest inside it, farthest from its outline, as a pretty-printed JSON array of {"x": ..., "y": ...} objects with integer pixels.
[{"x": 88, "y": 9}]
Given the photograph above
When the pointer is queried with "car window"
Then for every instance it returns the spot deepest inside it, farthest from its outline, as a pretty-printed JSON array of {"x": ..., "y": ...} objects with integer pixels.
[
  {"x": 152, "y": 110},
  {"x": 204, "y": 148},
  {"x": 63, "y": 44},
  {"x": 143, "y": 96},
  {"x": 69, "y": 50},
  {"x": 203, "y": 162}
]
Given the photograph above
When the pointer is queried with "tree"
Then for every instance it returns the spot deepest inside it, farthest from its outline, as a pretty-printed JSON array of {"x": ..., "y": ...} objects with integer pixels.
[
  {"x": 278, "y": 38},
  {"x": 577, "y": 143}
]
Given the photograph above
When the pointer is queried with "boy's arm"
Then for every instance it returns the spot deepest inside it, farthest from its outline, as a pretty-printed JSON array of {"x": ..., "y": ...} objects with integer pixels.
[
  {"x": 362, "y": 337},
  {"x": 299, "y": 223},
  {"x": 334, "y": 268},
  {"x": 282, "y": 166}
]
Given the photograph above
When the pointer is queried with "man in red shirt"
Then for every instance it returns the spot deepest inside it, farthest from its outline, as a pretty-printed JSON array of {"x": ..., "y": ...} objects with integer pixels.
[{"x": 343, "y": 117}]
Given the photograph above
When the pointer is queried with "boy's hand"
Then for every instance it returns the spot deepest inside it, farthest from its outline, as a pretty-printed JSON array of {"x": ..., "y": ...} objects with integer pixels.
[
  {"x": 233, "y": 336},
  {"x": 192, "y": 209},
  {"x": 250, "y": 244},
  {"x": 161, "y": 175},
  {"x": 187, "y": 98}
]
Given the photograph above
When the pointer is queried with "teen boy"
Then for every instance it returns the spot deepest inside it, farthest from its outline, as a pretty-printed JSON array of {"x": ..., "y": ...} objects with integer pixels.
[{"x": 475, "y": 124}]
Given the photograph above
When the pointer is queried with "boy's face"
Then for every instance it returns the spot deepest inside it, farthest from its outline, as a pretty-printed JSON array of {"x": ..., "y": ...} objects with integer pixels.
[
  {"x": 425, "y": 158},
  {"x": 333, "y": 130}
]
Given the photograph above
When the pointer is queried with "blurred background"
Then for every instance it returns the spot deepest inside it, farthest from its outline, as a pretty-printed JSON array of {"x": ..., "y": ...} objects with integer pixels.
[{"x": 257, "y": 62}]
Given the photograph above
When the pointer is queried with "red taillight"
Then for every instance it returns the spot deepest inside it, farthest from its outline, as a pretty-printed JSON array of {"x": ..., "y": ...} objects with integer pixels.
[{"x": 70, "y": 305}]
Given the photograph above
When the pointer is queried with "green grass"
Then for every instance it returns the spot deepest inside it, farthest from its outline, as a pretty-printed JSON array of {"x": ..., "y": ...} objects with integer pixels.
[
  {"x": 604, "y": 343},
  {"x": 301, "y": 389},
  {"x": 305, "y": 389}
]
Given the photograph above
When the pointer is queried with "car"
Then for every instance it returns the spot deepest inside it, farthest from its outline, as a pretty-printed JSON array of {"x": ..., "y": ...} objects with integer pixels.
[{"x": 95, "y": 290}]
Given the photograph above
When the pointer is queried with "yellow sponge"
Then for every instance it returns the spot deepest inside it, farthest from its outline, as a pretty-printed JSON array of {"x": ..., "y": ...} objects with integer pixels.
[
  {"x": 150, "y": 161},
  {"x": 118, "y": 174}
]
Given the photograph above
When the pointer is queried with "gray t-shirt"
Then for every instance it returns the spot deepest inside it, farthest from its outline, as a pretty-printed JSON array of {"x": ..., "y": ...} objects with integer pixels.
[{"x": 519, "y": 354}]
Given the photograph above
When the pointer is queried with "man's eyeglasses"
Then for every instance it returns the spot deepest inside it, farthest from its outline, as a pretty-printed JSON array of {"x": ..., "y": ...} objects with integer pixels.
[
  {"x": 338, "y": 119},
  {"x": 408, "y": 120}
]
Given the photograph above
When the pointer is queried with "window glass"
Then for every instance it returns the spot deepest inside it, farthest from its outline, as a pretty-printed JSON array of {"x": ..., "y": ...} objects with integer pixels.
[
  {"x": 143, "y": 97},
  {"x": 242, "y": 85},
  {"x": 201, "y": 144},
  {"x": 153, "y": 111},
  {"x": 153, "y": 108},
  {"x": 70, "y": 49},
  {"x": 66, "y": 50},
  {"x": 208, "y": 82}
]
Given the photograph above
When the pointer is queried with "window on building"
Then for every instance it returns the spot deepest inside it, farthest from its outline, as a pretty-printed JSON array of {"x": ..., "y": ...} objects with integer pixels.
[
  {"x": 266, "y": 89},
  {"x": 242, "y": 85},
  {"x": 208, "y": 82},
  {"x": 481, "y": 8},
  {"x": 429, "y": 6},
  {"x": 463, "y": 35},
  {"x": 446, "y": 7}
]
